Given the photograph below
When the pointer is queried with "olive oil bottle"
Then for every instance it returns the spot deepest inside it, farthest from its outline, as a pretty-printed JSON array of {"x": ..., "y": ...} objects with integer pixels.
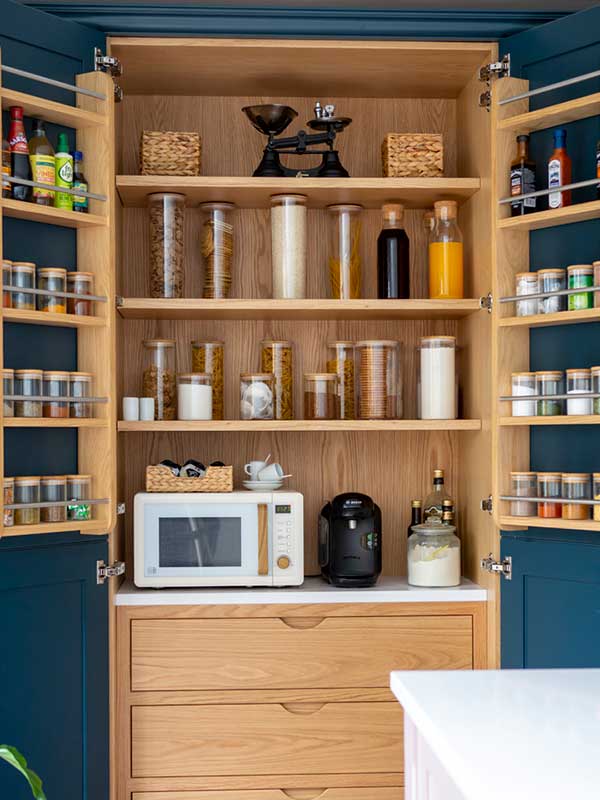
[{"x": 42, "y": 163}]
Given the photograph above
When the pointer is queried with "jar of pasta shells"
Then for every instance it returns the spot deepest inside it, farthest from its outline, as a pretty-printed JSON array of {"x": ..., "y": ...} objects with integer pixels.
[
  {"x": 344, "y": 251},
  {"x": 340, "y": 362},
  {"x": 159, "y": 377},
  {"x": 276, "y": 358},
  {"x": 166, "y": 212},
  {"x": 216, "y": 246},
  {"x": 209, "y": 357}
]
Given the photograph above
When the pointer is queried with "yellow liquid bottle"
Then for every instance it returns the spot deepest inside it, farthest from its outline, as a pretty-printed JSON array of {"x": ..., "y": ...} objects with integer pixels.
[{"x": 446, "y": 271}]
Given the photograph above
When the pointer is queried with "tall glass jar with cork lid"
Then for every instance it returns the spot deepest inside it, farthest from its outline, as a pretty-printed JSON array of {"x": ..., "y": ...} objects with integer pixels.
[
  {"x": 159, "y": 377},
  {"x": 446, "y": 254}
]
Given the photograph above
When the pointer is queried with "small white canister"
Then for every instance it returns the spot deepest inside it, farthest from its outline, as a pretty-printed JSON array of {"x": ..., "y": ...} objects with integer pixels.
[{"x": 194, "y": 396}]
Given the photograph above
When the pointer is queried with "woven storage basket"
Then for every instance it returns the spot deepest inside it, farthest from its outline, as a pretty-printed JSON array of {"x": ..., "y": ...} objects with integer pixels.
[
  {"x": 170, "y": 153},
  {"x": 161, "y": 479},
  {"x": 413, "y": 155}
]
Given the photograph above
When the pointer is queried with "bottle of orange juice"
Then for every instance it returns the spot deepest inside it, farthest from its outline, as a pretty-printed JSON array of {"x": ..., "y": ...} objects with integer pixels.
[{"x": 446, "y": 254}]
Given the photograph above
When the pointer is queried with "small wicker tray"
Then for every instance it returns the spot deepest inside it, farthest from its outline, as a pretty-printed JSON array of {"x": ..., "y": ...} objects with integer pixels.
[
  {"x": 161, "y": 479},
  {"x": 170, "y": 153},
  {"x": 413, "y": 155}
]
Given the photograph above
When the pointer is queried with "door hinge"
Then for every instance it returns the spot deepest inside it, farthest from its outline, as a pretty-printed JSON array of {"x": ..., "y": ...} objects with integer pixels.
[
  {"x": 120, "y": 508},
  {"x": 112, "y": 66},
  {"x": 487, "y": 302},
  {"x": 486, "y": 504},
  {"x": 104, "y": 571},
  {"x": 497, "y": 69},
  {"x": 504, "y": 567}
]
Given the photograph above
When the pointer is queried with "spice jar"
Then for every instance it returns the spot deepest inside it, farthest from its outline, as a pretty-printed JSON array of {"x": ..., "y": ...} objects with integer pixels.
[
  {"x": 523, "y": 383},
  {"x": 79, "y": 488},
  {"x": 80, "y": 283},
  {"x": 523, "y": 484},
  {"x": 550, "y": 486},
  {"x": 28, "y": 384},
  {"x": 194, "y": 396},
  {"x": 9, "y": 499},
  {"x": 54, "y": 489},
  {"x": 548, "y": 384},
  {"x": 320, "y": 395},
  {"x": 595, "y": 373},
  {"x": 576, "y": 486},
  {"x": 27, "y": 490},
  {"x": 8, "y": 388},
  {"x": 216, "y": 248},
  {"x": 288, "y": 245},
  {"x": 446, "y": 270},
  {"x": 580, "y": 276},
  {"x": 166, "y": 244},
  {"x": 344, "y": 251},
  {"x": 6, "y": 281},
  {"x": 52, "y": 279},
  {"x": 596, "y": 495},
  {"x": 579, "y": 381},
  {"x": 56, "y": 384},
  {"x": 526, "y": 283},
  {"x": 438, "y": 377},
  {"x": 433, "y": 555},
  {"x": 23, "y": 277},
  {"x": 596, "y": 268},
  {"x": 341, "y": 363},
  {"x": 209, "y": 357},
  {"x": 159, "y": 377},
  {"x": 378, "y": 379},
  {"x": 552, "y": 280},
  {"x": 256, "y": 395},
  {"x": 81, "y": 387},
  {"x": 276, "y": 357}
]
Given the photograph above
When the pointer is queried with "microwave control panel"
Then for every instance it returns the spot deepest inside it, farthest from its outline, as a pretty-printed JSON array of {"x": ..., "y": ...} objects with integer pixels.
[{"x": 288, "y": 540}]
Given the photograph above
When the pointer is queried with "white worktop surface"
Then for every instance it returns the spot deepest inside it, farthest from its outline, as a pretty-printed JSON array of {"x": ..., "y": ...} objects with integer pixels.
[
  {"x": 518, "y": 734},
  {"x": 313, "y": 590}
]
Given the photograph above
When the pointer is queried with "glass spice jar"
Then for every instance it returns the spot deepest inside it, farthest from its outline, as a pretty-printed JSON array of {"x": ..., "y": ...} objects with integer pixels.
[
  {"x": 56, "y": 384},
  {"x": 549, "y": 485},
  {"x": 52, "y": 279},
  {"x": 526, "y": 283},
  {"x": 523, "y": 484},
  {"x": 209, "y": 357},
  {"x": 79, "y": 489},
  {"x": 288, "y": 245},
  {"x": 28, "y": 384},
  {"x": 27, "y": 490},
  {"x": 378, "y": 379},
  {"x": 576, "y": 486},
  {"x": 596, "y": 268},
  {"x": 596, "y": 494},
  {"x": 8, "y": 388},
  {"x": 548, "y": 384},
  {"x": 216, "y": 248},
  {"x": 9, "y": 499},
  {"x": 23, "y": 277},
  {"x": 276, "y": 358},
  {"x": 54, "y": 489},
  {"x": 552, "y": 280},
  {"x": 595, "y": 373},
  {"x": 166, "y": 211},
  {"x": 341, "y": 363},
  {"x": 6, "y": 281},
  {"x": 344, "y": 251},
  {"x": 256, "y": 395},
  {"x": 523, "y": 383},
  {"x": 580, "y": 276},
  {"x": 80, "y": 283},
  {"x": 81, "y": 387},
  {"x": 159, "y": 377},
  {"x": 579, "y": 381},
  {"x": 320, "y": 396}
]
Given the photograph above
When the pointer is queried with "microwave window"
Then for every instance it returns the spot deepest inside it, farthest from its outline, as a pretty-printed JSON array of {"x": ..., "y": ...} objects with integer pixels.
[{"x": 200, "y": 542}]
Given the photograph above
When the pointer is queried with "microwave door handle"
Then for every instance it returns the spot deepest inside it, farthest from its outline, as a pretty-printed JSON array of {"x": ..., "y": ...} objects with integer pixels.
[
  {"x": 263, "y": 539},
  {"x": 198, "y": 553}
]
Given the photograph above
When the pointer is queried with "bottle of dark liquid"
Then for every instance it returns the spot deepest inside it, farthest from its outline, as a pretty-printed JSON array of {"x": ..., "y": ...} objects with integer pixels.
[
  {"x": 434, "y": 504},
  {"x": 19, "y": 154},
  {"x": 522, "y": 179},
  {"x": 393, "y": 251},
  {"x": 416, "y": 515},
  {"x": 448, "y": 512},
  {"x": 79, "y": 182}
]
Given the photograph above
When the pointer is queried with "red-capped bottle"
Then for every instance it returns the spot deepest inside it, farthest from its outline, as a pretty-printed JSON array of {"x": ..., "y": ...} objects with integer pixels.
[
  {"x": 19, "y": 154},
  {"x": 559, "y": 171}
]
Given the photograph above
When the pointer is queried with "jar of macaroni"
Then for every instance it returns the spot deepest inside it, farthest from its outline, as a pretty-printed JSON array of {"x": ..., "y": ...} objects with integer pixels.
[
  {"x": 580, "y": 276},
  {"x": 52, "y": 279},
  {"x": 276, "y": 357},
  {"x": 579, "y": 381},
  {"x": 56, "y": 385},
  {"x": 80, "y": 388},
  {"x": 6, "y": 281},
  {"x": 8, "y": 388},
  {"x": 54, "y": 490},
  {"x": 27, "y": 490},
  {"x": 256, "y": 395},
  {"x": 523, "y": 383},
  {"x": 552, "y": 280},
  {"x": 320, "y": 396},
  {"x": 210, "y": 357},
  {"x": 549, "y": 485},
  {"x": 526, "y": 283},
  {"x": 29, "y": 386},
  {"x": 340, "y": 362},
  {"x": 23, "y": 277},
  {"x": 548, "y": 384},
  {"x": 523, "y": 484},
  {"x": 576, "y": 486},
  {"x": 79, "y": 489}
]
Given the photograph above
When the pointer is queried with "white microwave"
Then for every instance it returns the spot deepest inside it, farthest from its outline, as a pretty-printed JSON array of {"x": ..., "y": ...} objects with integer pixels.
[{"x": 220, "y": 539}]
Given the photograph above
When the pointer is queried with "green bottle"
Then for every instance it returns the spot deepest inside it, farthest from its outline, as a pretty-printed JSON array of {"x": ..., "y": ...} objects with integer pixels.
[{"x": 64, "y": 173}]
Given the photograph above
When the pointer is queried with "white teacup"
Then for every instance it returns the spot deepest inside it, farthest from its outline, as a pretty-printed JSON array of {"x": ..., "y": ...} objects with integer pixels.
[
  {"x": 274, "y": 472},
  {"x": 252, "y": 468}
]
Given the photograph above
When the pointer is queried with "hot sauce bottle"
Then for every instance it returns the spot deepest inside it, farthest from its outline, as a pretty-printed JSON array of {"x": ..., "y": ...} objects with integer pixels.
[
  {"x": 559, "y": 170},
  {"x": 19, "y": 154},
  {"x": 522, "y": 179}
]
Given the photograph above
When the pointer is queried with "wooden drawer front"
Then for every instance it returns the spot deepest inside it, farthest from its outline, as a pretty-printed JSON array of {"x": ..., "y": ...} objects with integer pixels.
[
  {"x": 274, "y": 653},
  {"x": 364, "y": 793},
  {"x": 269, "y": 739}
]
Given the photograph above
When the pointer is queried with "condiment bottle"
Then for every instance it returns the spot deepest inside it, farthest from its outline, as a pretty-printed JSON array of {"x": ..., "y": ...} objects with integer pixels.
[
  {"x": 559, "y": 170},
  {"x": 5, "y": 168},
  {"x": 522, "y": 178},
  {"x": 79, "y": 182},
  {"x": 42, "y": 162},
  {"x": 64, "y": 173},
  {"x": 416, "y": 514},
  {"x": 434, "y": 502},
  {"x": 393, "y": 255},
  {"x": 446, "y": 254},
  {"x": 19, "y": 154}
]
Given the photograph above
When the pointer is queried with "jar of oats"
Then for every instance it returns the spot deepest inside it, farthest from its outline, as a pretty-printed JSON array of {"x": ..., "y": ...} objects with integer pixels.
[
  {"x": 276, "y": 358},
  {"x": 159, "y": 379},
  {"x": 166, "y": 212},
  {"x": 209, "y": 357}
]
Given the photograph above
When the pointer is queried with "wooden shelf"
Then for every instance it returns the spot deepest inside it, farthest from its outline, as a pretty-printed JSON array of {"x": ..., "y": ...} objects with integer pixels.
[
  {"x": 50, "y": 215},
  {"x": 312, "y": 309},
  {"x": 301, "y": 425},
  {"x": 84, "y": 526},
  {"x": 58, "y": 113},
  {"x": 52, "y": 422},
  {"x": 256, "y": 192},
  {"x": 580, "y": 212},
  {"x": 55, "y": 320},
  {"x": 544, "y": 320},
  {"x": 563, "y": 419},
  {"x": 540, "y": 522},
  {"x": 559, "y": 114}
]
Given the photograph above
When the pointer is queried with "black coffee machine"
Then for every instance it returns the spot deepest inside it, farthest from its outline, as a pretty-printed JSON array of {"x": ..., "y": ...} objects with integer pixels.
[{"x": 350, "y": 541}]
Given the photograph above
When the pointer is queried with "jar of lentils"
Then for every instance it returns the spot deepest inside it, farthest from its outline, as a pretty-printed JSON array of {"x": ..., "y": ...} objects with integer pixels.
[
  {"x": 548, "y": 384},
  {"x": 320, "y": 395},
  {"x": 527, "y": 283},
  {"x": 28, "y": 385},
  {"x": 552, "y": 280}
]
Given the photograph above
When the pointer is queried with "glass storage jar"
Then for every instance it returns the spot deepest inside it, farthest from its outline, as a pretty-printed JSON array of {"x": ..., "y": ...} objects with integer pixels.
[
  {"x": 216, "y": 248},
  {"x": 344, "y": 251},
  {"x": 596, "y": 268},
  {"x": 526, "y": 283},
  {"x": 8, "y": 388},
  {"x": 552, "y": 280},
  {"x": 54, "y": 489},
  {"x": 194, "y": 395},
  {"x": 340, "y": 362},
  {"x": 580, "y": 276},
  {"x": 579, "y": 381},
  {"x": 166, "y": 212},
  {"x": 210, "y": 357},
  {"x": 28, "y": 384},
  {"x": 79, "y": 489},
  {"x": 80, "y": 283},
  {"x": 52, "y": 279},
  {"x": 378, "y": 371},
  {"x": 320, "y": 396},
  {"x": 576, "y": 486},
  {"x": 596, "y": 495},
  {"x": 81, "y": 387},
  {"x": 549, "y": 485},
  {"x": 256, "y": 395},
  {"x": 159, "y": 377},
  {"x": 6, "y": 281},
  {"x": 27, "y": 490},
  {"x": 548, "y": 384},
  {"x": 276, "y": 358},
  {"x": 23, "y": 277},
  {"x": 9, "y": 499},
  {"x": 523, "y": 484},
  {"x": 595, "y": 373},
  {"x": 56, "y": 384},
  {"x": 433, "y": 555},
  {"x": 523, "y": 383},
  {"x": 288, "y": 245},
  {"x": 438, "y": 377}
]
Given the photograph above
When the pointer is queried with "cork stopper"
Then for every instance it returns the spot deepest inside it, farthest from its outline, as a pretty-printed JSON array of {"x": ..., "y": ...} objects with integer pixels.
[
  {"x": 446, "y": 209},
  {"x": 393, "y": 214}
]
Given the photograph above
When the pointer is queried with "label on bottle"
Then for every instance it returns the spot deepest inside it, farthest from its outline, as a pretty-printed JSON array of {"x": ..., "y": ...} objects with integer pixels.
[
  {"x": 18, "y": 142},
  {"x": 554, "y": 180},
  {"x": 64, "y": 177},
  {"x": 5, "y": 172},
  {"x": 42, "y": 171},
  {"x": 598, "y": 162},
  {"x": 522, "y": 181},
  {"x": 80, "y": 203}
]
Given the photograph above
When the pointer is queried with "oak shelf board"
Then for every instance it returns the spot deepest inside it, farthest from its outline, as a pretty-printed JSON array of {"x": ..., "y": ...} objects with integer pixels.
[
  {"x": 310, "y": 309},
  {"x": 541, "y": 522},
  {"x": 558, "y": 114},
  {"x": 579, "y": 212},
  {"x": 58, "y": 113},
  {"x": 19, "y": 209},
  {"x": 544, "y": 320},
  {"x": 53, "y": 422},
  {"x": 256, "y": 192},
  {"x": 300, "y": 425},
  {"x": 96, "y": 527},
  {"x": 563, "y": 419},
  {"x": 54, "y": 320}
]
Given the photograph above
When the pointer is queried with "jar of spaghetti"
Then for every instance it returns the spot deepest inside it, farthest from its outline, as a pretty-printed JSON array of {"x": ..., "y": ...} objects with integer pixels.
[
  {"x": 344, "y": 251},
  {"x": 256, "y": 395},
  {"x": 27, "y": 490},
  {"x": 28, "y": 385},
  {"x": 276, "y": 358},
  {"x": 523, "y": 383},
  {"x": 378, "y": 379},
  {"x": 80, "y": 384},
  {"x": 6, "y": 281},
  {"x": 23, "y": 277},
  {"x": 596, "y": 489},
  {"x": 340, "y": 362},
  {"x": 159, "y": 377},
  {"x": 580, "y": 276},
  {"x": 576, "y": 486},
  {"x": 56, "y": 384},
  {"x": 596, "y": 268},
  {"x": 209, "y": 357},
  {"x": 54, "y": 489},
  {"x": 552, "y": 280},
  {"x": 595, "y": 373},
  {"x": 523, "y": 484},
  {"x": 320, "y": 395},
  {"x": 217, "y": 248},
  {"x": 526, "y": 283},
  {"x": 549, "y": 485},
  {"x": 79, "y": 489},
  {"x": 52, "y": 279},
  {"x": 9, "y": 499},
  {"x": 80, "y": 283},
  {"x": 548, "y": 384},
  {"x": 579, "y": 381},
  {"x": 8, "y": 388}
]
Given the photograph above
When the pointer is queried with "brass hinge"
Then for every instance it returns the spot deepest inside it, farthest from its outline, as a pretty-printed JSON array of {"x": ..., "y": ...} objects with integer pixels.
[
  {"x": 497, "y": 69},
  {"x": 487, "y": 302},
  {"x": 112, "y": 66},
  {"x": 504, "y": 567},
  {"x": 104, "y": 571}
]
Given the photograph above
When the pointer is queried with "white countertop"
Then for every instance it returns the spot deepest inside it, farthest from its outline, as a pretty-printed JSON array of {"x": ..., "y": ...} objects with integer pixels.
[
  {"x": 313, "y": 590},
  {"x": 518, "y": 734}
]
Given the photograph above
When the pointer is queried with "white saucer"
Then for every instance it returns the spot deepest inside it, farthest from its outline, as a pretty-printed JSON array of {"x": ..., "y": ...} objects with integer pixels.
[{"x": 263, "y": 486}]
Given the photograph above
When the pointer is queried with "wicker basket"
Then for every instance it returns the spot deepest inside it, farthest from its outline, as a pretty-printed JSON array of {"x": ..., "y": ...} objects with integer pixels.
[
  {"x": 161, "y": 479},
  {"x": 413, "y": 155},
  {"x": 170, "y": 153}
]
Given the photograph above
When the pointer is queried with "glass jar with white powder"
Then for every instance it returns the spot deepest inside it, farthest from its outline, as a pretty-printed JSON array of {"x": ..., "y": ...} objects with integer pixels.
[
  {"x": 433, "y": 555},
  {"x": 194, "y": 396},
  {"x": 579, "y": 381},
  {"x": 438, "y": 377},
  {"x": 288, "y": 245}
]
